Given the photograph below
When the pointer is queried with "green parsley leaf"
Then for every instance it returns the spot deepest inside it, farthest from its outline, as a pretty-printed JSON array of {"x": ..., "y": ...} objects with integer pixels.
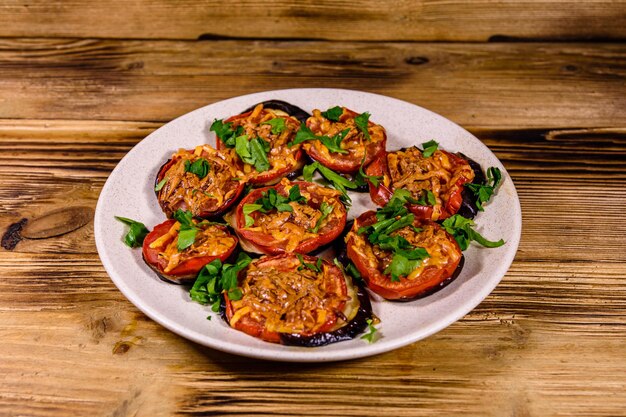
[
  {"x": 483, "y": 193},
  {"x": 200, "y": 167},
  {"x": 361, "y": 177},
  {"x": 253, "y": 152},
  {"x": 337, "y": 181},
  {"x": 371, "y": 332},
  {"x": 228, "y": 279},
  {"x": 188, "y": 229},
  {"x": 429, "y": 148},
  {"x": 247, "y": 209},
  {"x": 462, "y": 229},
  {"x": 160, "y": 184},
  {"x": 353, "y": 271},
  {"x": 427, "y": 198},
  {"x": 316, "y": 267},
  {"x": 136, "y": 233},
  {"x": 405, "y": 261},
  {"x": 333, "y": 144},
  {"x": 326, "y": 209},
  {"x": 215, "y": 278},
  {"x": 271, "y": 200},
  {"x": 333, "y": 114},
  {"x": 278, "y": 125},
  {"x": 362, "y": 122},
  {"x": 225, "y": 132}
]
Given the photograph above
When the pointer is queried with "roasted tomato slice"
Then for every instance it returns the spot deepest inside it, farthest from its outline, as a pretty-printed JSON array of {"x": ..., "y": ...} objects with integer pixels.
[
  {"x": 207, "y": 189},
  {"x": 258, "y": 123},
  {"x": 432, "y": 274},
  {"x": 160, "y": 250},
  {"x": 298, "y": 300},
  {"x": 443, "y": 174},
  {"x": 303, "y": 227},
  {"x": 358, "y": 149}
]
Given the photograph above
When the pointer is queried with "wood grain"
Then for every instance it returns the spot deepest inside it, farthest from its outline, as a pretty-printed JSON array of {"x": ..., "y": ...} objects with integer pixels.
[
  {"x": 368, "y": 20},
  {"x": 526, "y": 85}
]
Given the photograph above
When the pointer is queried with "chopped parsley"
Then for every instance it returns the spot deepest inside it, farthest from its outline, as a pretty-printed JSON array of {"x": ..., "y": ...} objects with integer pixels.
[
  {"x": 483, "y": 193},
  {"x": 136, "y": 233},
  {"x": 253, "y": 152},
  {"x": 277, "y": 124},
  {"x": 225, "y": 132},
  {"x": 316, "y": 267},
  {"x": 427, "y": 199},
  {"x": 371, "y": 334},
  {"x": 271, "y": 200},
  {"x": 337, "y": 181},
  {"x": 333, "y": 114},
  {"x": 361, "y": 177},
  {"x": 200, "y": 167},
  {"x": 461, "y": 228},
  {"x": 188, "y": 229},
  {"x": 429, "y": 148},
  {"x": 160, "y": 185},
  {"x": 326, "y": 209},
  {"x": 332, "y": 143},
  {"x": 216, "y": 278},
  {"x": 362, "y": 122}
]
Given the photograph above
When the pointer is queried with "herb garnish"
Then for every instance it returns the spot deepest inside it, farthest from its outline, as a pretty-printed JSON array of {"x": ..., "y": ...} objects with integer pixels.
[
  {"x": 326, "y": 209},
  {"x": 253, "y": 152},
  {"x": 332, "y": 143},
  {"x": 461, "y": 228},
  {"x": 225, "y": 132},
  {"x": 429, "y": 148},
  {"x": 277, "y": 124},
  {"x": 160, "y": 184},
  {"x": 270, "y": 200},
  {"x": 136, "y": 233},
  {"x": 188, "y": 229},
  {"x": 200, "y": 167},
  {"x": 483, "y": 193},
  {"x": 371, "y": 332},
  {"x": 362, "y": 122},
  {"x": 215, "y": 278},
  {"x": 427, "y": 198},
  {"x": 333, "y": 114},
  {"x": 337, "y": 181},
  {"x": 361, "y": 177},
  {"x": 316, "y": 267}
]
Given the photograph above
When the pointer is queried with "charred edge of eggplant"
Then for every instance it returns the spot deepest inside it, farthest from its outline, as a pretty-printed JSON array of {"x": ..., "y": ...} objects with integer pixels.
[
  {"x": 352, "y": 329},
  {"x": 288, "y": 108},
  {"x": 184, "y": 280},
  {"x": 468, "y": 205},
  {"x": 439, "y": 286}
]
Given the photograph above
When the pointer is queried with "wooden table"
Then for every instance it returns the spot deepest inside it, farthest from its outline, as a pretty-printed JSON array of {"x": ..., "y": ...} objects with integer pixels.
[{"x": 542, "y": 83}]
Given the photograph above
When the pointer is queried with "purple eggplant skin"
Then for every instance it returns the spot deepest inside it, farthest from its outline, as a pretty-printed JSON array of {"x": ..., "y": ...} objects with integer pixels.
[
  {"x": 171, "y": 279},
  {"x": 468, "y": 207},
  {"x": 288, "y": 108}
]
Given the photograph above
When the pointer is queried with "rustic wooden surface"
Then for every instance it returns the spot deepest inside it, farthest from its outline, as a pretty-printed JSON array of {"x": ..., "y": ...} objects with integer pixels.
[{"x": 82, "y": 82}]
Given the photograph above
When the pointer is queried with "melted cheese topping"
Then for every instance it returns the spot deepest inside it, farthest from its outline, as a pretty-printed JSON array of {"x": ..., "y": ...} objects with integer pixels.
[
  {"x": 295, "y": 227},
  {"x": 354, "y": 142},
  {"x": 411, "y": 171},
  {"x": 433, "y": 238},
  {"x": 286, "y": 300},
  {"x": 187, "y": 191},
  {"x": 210, "y": 241},
  {"x": 280, "y": 155}
]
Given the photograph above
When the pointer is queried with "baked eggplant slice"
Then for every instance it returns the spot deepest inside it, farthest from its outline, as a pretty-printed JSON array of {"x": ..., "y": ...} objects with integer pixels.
[
  {"x": 289, "y": 217},
  {"x": 163, "y": 253},
  {"x": 260, "y": 139},
  {"x": 298, "y": 300},
  {"x": 204, "y": 181}
]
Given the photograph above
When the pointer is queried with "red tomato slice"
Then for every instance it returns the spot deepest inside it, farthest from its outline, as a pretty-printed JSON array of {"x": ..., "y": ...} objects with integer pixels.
[
  {"x": 192, "y": 259},
  {"x": 430, "y": 174},
  {"x": 276, "y": 232},
  {"x": 371, "y": 261},
  {"x": 282, "y": 297},
  {"x": 283, "y": 159},
  {"x": 207, "y": 197},
  {"x": 360, "y": 149}
]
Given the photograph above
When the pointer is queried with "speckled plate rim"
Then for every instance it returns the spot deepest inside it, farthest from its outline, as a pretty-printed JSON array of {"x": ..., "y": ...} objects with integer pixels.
[{"x": 128, "y": 192}]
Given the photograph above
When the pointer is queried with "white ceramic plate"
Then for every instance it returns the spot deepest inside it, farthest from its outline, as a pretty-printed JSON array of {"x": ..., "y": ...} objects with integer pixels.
[{"x": 129, "y": 192}]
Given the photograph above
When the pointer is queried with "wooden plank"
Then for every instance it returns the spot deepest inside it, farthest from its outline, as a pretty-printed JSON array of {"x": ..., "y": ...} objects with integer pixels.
[
  {"x": 542, "y": 344},
  {"x": 524, "y": 85},
  {"x": 366, "y": 20},
  {"x": 557, "y": 174}
]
